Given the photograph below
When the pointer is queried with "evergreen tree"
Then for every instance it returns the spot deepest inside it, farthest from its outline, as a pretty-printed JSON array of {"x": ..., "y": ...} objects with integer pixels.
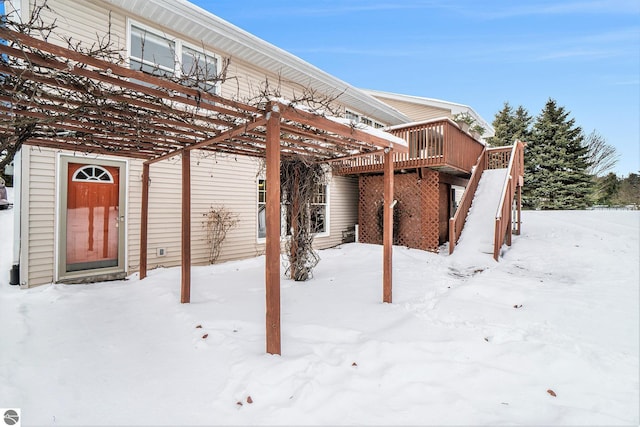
[
  {"x": 503, "y": 126},
  {"x": 606, "y": 189},
  {"x": 629, "y": 191},
  {"x": 556, "y": 162},
  {"x": 510, "y": 126},
  {"x": 522, "y": 124}
]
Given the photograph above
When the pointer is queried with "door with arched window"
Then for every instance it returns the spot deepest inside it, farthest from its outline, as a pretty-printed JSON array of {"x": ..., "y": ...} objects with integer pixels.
[{"x": 91, "y": 220}]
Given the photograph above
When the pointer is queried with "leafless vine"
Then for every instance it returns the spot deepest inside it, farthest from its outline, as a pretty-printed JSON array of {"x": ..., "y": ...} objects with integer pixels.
[
  {"x": 300, "y": 181},
  {"x": 218, "y": 221}
]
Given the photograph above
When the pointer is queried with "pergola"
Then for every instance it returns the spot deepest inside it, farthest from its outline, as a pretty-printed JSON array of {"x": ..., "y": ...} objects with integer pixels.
[{"x": 67, "y": 99}]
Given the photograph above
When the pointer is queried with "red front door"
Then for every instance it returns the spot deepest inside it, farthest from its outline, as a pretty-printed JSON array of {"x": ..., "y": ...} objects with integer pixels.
[{"x": 92, "y": 217}]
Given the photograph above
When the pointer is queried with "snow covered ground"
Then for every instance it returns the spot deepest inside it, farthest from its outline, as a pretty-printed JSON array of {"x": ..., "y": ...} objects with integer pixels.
[{"x": 547, "y": 336}]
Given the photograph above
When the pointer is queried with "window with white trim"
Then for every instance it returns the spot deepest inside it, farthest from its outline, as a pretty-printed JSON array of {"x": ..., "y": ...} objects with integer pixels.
[
  {"x": 157, "y": 54},
  {"x": 318, "y": 221},
  {"x": 201, "y": 67},
  {"x": 318, "y": 217},
  {"x": 152, "y": 53},
  {"x": 350, "y": 115}
]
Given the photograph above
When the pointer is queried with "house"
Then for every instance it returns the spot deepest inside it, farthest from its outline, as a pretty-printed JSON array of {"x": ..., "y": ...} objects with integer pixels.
[
  {"x": 46, "y": 175},
  {"x": 55, "y": 242},
  {"x": 129, "y": 106}
]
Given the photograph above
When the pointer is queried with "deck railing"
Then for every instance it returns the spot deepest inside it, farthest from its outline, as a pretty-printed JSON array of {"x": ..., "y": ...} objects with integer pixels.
[
  {"x": 512, "y": 184},
  {"x": 498, "y": 157},
  {"x": 456, "y": 223},
  {"x": 438, "y": 144}
]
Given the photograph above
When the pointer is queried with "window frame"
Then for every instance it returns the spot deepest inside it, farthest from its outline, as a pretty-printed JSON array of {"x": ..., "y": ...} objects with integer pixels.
[
  {"x": 285, "y": 232},
  {"x": 179, "y": 45}
]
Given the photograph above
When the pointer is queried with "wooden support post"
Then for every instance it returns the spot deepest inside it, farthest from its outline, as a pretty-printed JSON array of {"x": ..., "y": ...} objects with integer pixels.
[
  {"x": 519, "y": 209},
  {"x": 144, "y": 220},
  {"x": 497, "y": 240},
  {"x": 452, "y": 235},
  {"x": 272, "y": 262},
  {"x": 387, "y": 233},
  {"x": 185, "y": 294}
]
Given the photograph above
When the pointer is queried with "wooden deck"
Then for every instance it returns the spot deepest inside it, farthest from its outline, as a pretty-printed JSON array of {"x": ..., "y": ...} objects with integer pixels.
[{"x": 438, "y": 144}]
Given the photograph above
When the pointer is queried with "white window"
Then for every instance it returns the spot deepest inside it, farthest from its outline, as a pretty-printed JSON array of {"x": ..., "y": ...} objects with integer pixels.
[
  {"x": 318, "y": 217},
  {"x": 157, "y": 54},
  {"x": 262, "y": 208},
  {"x": 152, "y": 53},
  {"x": 318, "y": 222},
  {"x": 350, "y": 115},
  {"x": 201, "y": 68}
]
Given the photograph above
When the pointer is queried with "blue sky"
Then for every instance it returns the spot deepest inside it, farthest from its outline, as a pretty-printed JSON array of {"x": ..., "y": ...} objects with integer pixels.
[{"x": 585, "y": 54}]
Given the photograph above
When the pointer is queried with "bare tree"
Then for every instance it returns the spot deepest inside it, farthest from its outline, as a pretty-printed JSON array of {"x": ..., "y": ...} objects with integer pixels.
[{"x": 601, "y": 155}]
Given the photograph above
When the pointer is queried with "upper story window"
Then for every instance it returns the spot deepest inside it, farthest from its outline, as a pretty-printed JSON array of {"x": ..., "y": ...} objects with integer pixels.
[
  {"x": 157, "y": 54},
  {"x": 350, "y": 115},
  {"x": 152, "y": 53},
  {"x": 200, "y": 67},
  {"x": 358, "y": 118}
]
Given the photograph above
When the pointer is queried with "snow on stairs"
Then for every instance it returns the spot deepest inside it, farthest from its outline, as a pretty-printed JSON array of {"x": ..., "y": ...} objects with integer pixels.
[{"x": 478, "y": 232}]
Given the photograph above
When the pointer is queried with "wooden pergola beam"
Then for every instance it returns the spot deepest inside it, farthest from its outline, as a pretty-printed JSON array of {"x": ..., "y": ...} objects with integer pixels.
[
  {"x": 229, "y": 134},
  {"x": 343, "y": 130},
  {"x": 112, "y": 68}
]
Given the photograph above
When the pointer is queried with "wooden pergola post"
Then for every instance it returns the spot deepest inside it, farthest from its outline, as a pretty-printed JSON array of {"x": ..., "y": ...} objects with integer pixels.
[
  {"x": 272, "y": 262},
  {"x": 387, "y": 233},
  {"x": 144, "y": 220},
  {"x": 185, "y": 291}
]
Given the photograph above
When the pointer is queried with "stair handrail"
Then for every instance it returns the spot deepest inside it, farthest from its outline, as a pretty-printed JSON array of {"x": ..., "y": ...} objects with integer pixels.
[
  {"x": 515, "y": 169},
  {"x": 456, "y": 223}
]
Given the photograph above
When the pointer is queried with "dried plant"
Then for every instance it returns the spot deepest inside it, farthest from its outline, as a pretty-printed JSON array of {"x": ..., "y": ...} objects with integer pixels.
[
  {"x": 218, "y": 221},
  {"x": 299, "y": 181}
]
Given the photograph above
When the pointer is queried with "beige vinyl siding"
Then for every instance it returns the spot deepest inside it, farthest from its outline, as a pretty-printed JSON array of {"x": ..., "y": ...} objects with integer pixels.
[
  {"x": 216, "y": 181},
  {"x": 90, "y": 22},
  {"x": 343, "y": 210},
  {"x": 40, "y": 195},
  {"x": 416, "y": 112},
  {"x": 134, "y": 204}
]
